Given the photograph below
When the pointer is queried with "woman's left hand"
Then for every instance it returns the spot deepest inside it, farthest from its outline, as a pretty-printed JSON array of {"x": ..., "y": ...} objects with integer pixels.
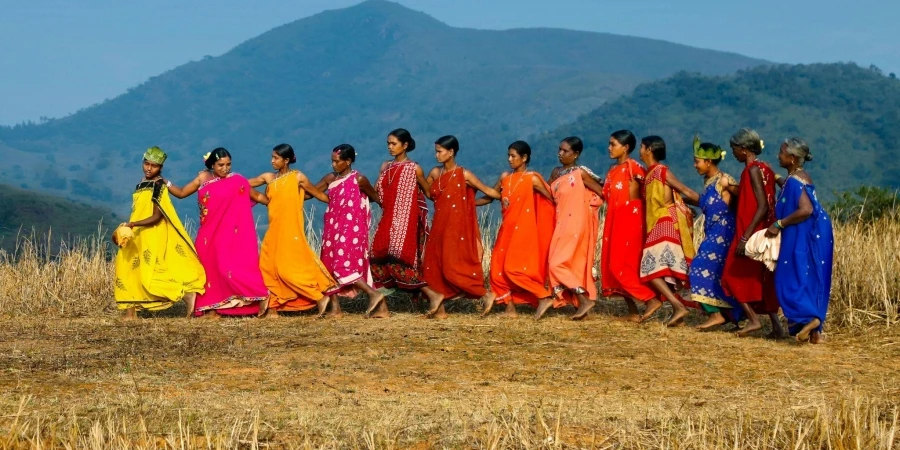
[{"x": 772, "y": 231}]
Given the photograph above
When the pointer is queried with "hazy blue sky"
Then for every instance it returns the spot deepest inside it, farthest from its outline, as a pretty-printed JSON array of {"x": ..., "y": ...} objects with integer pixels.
[{"x": 57, "y": 56}]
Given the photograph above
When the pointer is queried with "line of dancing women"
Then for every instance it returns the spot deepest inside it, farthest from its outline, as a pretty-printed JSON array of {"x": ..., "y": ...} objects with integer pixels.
[{"x": 544, "y": 253}]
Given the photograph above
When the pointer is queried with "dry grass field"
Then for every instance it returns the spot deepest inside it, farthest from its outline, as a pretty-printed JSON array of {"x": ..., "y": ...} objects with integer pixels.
[{"x": 75, "y": 376}]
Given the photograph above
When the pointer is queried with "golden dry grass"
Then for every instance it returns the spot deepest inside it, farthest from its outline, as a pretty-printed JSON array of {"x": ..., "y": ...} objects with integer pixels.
[{"x": 74, "y": 376}]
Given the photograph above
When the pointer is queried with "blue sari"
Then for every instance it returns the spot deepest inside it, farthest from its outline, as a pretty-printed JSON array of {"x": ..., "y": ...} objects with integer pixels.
[
  {"x": 706, "y": 268},
  {"x": 803, "y": 274}
]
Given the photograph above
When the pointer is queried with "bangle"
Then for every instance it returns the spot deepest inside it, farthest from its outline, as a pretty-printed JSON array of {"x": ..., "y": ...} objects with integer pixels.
[
  {"x": 743, "y": 239},
  {"x": 168, "y": 183},
  {"x": 779, "y": 225}
]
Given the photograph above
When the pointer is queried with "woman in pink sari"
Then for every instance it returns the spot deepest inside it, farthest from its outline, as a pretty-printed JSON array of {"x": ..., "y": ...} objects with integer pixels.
[
  {"x": 226, "y": 242},
  {"x": 345, "y": 236}
]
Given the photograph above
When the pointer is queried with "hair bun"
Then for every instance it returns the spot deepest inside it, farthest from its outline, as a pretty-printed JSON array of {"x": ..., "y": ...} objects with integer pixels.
[
  {"x": 808, "y": 157},
  {"x": 293, "y": 159},
  {"x": 412, "y": 145}
]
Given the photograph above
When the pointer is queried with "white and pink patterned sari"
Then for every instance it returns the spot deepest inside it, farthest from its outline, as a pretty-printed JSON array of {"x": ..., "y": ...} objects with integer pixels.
[{"x": 345, "y": 238}]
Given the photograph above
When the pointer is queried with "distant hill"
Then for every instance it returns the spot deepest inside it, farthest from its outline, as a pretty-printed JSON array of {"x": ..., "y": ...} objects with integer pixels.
[
  {"x": 849, "y": 115},
  {"x": 23, "y": 213},
  {"x": 347, "y": 75}
]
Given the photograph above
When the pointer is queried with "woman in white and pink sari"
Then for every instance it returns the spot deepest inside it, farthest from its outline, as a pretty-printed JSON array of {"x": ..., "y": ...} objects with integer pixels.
[{"x": 345, "y": 238}]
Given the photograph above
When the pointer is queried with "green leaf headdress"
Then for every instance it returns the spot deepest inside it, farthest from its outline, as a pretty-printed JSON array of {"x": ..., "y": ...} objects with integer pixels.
[
  {"x": 155, "y": 155},
  {"x": 708, "y": 151}
]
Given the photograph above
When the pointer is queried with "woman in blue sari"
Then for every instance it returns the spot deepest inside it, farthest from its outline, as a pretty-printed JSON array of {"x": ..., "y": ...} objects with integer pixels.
[
  {"x": 803, "y": 274},
  {"x": 718, "y": 228}
]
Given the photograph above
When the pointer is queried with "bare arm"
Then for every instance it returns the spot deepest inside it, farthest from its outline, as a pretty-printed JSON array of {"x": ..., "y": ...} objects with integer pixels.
[
  {"x": 484, "y": 199},
  {"x": 537, "y": 182},
  {"x": 367, "y": 189},
  {"x": 474, "y": 182},
  {"x": 152, "y": 220},
  {"x": 424, "y": 183},
  {"x": 687, "y": 193},
  {"x": 190, "y": 188},
  {"x": 259, "y": 197},
  {"x": 554, "y": 174},
  {"x": 591, "y": 183},
  {"x": 307, "y": 186},
  {"x": 262, "y": 179},
  {"x": 803, "y": 211},
  {"x": 322, "y": 185}
]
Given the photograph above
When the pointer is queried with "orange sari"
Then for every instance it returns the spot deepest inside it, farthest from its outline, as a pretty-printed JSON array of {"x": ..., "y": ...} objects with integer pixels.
[
  {"x": 519, "y": 260},
  {"x": 574, "y": 239},
  {"x": 453, "y": 251},
  {"x": 293, "y": 273}
]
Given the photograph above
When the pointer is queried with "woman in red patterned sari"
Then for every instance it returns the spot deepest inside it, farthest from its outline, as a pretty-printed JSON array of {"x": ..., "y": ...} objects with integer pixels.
[
  {"x": 454, "y": 252},
  {"x": 399, "y": 242},
  {"x": 745, "y": 279}
]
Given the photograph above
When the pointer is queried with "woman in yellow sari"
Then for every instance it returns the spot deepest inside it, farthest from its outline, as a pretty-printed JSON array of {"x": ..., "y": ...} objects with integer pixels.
[
  {"x": 159, "y": 265},
  {"x": 296, "y": 278}
]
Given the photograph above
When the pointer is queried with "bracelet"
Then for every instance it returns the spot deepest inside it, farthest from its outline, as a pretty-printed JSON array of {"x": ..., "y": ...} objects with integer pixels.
[
  {"x": 779, "y": 225},
  {"x": 168, "y": 183},
  {"x": 743, "y": 239}
]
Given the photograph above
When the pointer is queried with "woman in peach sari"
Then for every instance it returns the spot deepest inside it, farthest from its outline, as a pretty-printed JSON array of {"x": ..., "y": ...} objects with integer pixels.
[
  {"x": 295, "y": 276},
  {"x": 576, "y": 191},
  {"x": 519, "y": 260},
  {"x": 453, "y": 253}
]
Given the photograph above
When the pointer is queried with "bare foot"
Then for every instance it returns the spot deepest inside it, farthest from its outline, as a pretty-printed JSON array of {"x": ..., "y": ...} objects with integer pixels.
[
  {"x": 632, "y": 318},
  {"x": 374, "y": 302},
  {"x": 488, "y": 302},
  {"x": 714, "y": 320},
  {"x": 803, "y": 335},
  {"x": 543, "y": 305},
  {"x": 322, "y": 305},
  {"x": 210, "y": 315},
  {"x": 130, "y": 314},
  {"x": 677, "y": 319},
  {"x": 584, "y": 307},
  {"x": 652, "y": 307},
  {"x": 271, "y": 314},
  {"x": 190, "y": 300},
  {"x": 440, "y": 314},
  {"x": 335, "y": 314},
  {"x": 749, "y": 328},
  {"x": 510, "y": 311},
  {"x": 435, "y": 303},
  {"x": 817, "y": 337}
]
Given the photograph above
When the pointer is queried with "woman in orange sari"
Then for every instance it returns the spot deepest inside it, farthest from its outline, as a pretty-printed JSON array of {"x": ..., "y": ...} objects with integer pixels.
[
  {"x": 519, "y": 259},
  {"x": 295, "y": 276},
  {"x": 623, "y": 228},
  {"x": 453, "y": 253},
  {"x": 576, "y": 192},
  {"x": 669, "y": 247}
]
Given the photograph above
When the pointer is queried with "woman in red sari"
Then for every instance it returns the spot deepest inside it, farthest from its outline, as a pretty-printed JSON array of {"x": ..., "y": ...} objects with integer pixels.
[
  {"x": 454, "y": 251},
  {"x": 623, "y": 228},
  {"x": 745, "y": 279},
  {"x": 399, "y": 241},
  {"x": 576, "y": 192},
  {"x": 519, "y": 259}
]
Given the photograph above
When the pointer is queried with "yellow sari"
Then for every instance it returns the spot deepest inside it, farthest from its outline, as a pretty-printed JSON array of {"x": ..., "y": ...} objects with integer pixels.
[
  {"x": 295, "y": 276},
  {"x": 159, "y": 265}
]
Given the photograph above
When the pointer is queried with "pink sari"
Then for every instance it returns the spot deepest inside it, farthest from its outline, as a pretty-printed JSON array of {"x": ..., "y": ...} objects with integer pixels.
[
  {"x": 228, "y": 248},
  {"x": 345, "y": 238}
]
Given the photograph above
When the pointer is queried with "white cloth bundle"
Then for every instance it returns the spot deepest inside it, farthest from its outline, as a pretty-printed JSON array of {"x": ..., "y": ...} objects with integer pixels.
[{"x": 764, "y": 249}]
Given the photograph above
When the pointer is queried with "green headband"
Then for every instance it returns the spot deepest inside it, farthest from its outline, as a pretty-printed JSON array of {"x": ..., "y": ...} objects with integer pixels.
[
  {"x": 714, "y": 153},
  {"x": 155, "y": 155}
]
